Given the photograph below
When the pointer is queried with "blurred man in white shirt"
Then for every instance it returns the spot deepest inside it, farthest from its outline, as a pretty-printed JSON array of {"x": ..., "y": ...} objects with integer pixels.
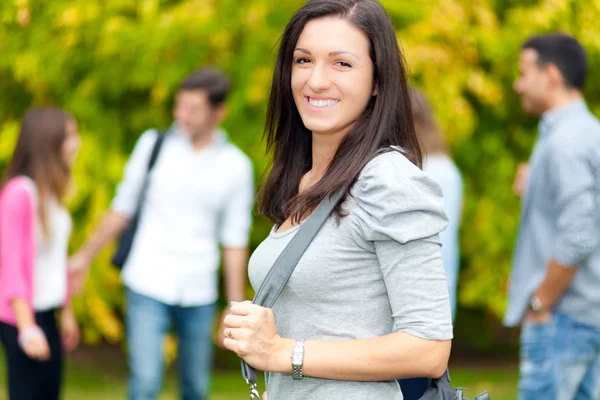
[{"x": 199, "y": 196}]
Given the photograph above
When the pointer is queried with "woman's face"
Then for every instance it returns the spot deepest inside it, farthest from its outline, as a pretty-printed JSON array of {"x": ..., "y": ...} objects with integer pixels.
[
  {"x": 71, "y": 144},
  {"x": 332, "y": 75}
]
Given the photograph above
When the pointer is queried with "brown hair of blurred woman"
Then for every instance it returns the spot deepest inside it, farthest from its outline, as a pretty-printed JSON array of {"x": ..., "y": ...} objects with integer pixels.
[
  {"x": 426, "y": 125},
  {"x": 39, "y": 155}
]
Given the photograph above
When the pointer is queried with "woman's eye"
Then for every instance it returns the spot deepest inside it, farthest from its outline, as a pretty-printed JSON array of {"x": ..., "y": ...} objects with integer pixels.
[
  {"x": 302, "y": 60},
  {"x": 344, "y": 64}
]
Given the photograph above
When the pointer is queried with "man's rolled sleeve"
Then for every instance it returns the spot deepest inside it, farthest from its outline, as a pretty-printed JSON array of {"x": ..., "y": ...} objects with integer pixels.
[
  {"x": 576, "y": 200},
  {"x": 128, "y": 191},
  {"x": 237, "y": 215}
]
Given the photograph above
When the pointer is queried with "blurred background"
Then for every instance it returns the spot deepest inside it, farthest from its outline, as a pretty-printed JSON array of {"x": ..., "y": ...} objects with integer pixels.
[{"x": 116, "y": 64}]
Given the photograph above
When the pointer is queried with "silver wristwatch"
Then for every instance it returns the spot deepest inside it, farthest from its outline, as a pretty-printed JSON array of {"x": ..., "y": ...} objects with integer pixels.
[
  {"x": 535, "y": 304},
  {"x": 297, "y": 359}
]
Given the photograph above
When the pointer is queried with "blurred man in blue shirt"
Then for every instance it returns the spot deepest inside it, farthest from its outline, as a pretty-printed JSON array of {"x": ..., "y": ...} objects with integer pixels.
[{"x": 555, "y": 281}]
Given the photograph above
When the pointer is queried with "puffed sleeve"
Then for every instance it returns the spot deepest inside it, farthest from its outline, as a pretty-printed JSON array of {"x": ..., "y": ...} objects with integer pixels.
[{"x": 401, "y": 211}]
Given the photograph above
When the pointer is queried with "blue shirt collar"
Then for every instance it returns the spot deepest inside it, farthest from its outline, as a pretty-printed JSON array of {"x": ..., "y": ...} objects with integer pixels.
[{"x": 551, "y": 118}]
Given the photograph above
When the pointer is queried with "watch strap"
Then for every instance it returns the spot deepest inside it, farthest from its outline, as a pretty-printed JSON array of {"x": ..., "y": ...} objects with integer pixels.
[{"x": 298, "y": 359}]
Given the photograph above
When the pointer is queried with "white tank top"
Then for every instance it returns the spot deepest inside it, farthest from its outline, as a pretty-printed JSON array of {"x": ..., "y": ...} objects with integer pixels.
[{"x": 51, "y": 253}]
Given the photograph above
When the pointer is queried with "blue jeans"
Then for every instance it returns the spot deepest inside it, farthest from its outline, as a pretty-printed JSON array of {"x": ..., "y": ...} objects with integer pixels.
[
  {"x": 560, "y": 360},
  {"x": 147, "y": 322}
]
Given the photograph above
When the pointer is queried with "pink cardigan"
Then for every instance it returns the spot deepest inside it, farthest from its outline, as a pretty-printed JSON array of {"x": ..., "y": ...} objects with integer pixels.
[{"x": 18, "y": 215}]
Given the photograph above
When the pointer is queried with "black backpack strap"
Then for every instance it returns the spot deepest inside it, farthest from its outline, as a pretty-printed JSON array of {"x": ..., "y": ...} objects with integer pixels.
[
  {"x": 160, "y": 139},
  {"x": 126, "y": 240},
  {"x": 162, "y": 133}
]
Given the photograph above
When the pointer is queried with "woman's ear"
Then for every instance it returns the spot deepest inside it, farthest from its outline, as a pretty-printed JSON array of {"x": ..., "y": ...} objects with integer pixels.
[{"x": 375, "y": 89}]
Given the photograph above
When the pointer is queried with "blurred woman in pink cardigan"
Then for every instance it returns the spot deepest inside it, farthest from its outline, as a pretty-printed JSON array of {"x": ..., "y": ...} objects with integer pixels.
[{"x": 34, "y": 233}]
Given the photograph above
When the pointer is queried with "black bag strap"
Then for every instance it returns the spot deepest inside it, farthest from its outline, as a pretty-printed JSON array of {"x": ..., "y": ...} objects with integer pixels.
[{"x": 160, "y": 139}]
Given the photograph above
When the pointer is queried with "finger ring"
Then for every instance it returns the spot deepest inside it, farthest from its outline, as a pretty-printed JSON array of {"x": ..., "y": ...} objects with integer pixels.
[{"x": 228, "y": 333}]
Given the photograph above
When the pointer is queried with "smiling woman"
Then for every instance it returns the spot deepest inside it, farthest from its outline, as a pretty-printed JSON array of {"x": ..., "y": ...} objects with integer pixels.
[
  {"x": 331, "y": 87},
  {"x": 339, "y": 94}
]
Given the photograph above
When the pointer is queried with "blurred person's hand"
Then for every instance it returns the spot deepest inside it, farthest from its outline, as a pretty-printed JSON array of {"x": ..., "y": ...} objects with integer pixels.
[
  {"x": 79, "y": 266},
  {"x": 69, "y": 329},
  {"x": 33, "y": 342},
  {"x": 538, "y": 317},
  {"x": 521, "y": 178},
  {"x": 264, "y": 396}
]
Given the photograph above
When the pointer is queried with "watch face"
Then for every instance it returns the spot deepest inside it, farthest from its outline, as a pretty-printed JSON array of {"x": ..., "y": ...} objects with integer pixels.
[{"x": 297, "y": 358}]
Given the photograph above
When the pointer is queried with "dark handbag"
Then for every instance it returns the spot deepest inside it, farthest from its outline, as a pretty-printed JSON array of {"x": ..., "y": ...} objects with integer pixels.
[
  {"x": 127, "y": 237},
  {"x": 441, "y": 389},
  {"x": 279, "y": 274}
]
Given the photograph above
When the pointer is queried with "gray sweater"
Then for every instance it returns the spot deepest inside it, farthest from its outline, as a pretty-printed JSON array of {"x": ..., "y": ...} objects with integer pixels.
[{"x": 380, "y": 265}]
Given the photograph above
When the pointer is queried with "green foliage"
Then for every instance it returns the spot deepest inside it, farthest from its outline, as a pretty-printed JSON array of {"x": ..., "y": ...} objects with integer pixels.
[{"x": 116, "y": 64}]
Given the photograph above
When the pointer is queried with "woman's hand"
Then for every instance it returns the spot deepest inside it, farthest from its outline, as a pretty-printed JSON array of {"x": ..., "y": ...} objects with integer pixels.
[
  {"x": 251, "y": 333},
  {"x": 33, "y": 342},
  {"x": 69, "y": 329}
]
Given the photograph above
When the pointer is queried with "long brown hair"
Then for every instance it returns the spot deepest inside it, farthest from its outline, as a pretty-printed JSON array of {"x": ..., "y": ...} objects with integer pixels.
[
  {"x": 38, "y": 155},
  {"x": 426, "y": 125},
  {"x": 386, "y": 121}
]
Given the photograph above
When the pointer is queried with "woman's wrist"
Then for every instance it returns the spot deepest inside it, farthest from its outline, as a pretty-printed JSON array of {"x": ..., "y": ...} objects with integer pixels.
[
  {"x": 282, "y": 357},
  {"x": 28, "y": 333},
  {"x": 66, "y": 312}
]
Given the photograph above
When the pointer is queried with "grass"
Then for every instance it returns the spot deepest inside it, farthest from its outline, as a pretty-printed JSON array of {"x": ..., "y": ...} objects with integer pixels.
[{"x": 97, "y": 377}]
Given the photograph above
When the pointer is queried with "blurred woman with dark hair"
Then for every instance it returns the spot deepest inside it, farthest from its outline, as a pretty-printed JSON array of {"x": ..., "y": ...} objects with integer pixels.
[{"x": 34, "y": 233}]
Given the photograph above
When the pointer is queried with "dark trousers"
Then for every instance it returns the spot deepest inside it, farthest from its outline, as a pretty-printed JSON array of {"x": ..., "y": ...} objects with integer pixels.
[
  {"x": 30, "y": 379},
  {"x": 413, "y": 388}
]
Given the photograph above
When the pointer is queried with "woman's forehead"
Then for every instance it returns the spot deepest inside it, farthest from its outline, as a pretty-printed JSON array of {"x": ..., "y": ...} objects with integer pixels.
[{"x": 332, "y": 35}]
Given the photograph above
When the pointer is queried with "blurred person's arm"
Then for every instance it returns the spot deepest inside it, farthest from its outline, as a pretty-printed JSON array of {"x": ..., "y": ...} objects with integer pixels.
[
  {"x": 111, "y": 226},
  {"x": 235, "y": 232},
  {"x": 31, "y": 337},
  {"x": 577, "y": 219},
  {"x": 235, "y": 260},
  {"x": 123, "y": 207},
  {"x": 521, "y": 178},
  {"x": 557, "y": 280},
  {"x": 17, "y": 252},
  {"x": 23, "y": 314},
  {"x": 69, "y": 329}
]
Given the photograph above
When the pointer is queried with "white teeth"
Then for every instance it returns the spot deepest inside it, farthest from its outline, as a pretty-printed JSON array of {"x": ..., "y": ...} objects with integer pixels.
[{"x": 322, "y": 103}]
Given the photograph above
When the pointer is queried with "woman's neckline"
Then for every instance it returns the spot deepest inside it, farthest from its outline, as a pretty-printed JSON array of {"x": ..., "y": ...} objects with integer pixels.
[{"x": 275, "y": 234}]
